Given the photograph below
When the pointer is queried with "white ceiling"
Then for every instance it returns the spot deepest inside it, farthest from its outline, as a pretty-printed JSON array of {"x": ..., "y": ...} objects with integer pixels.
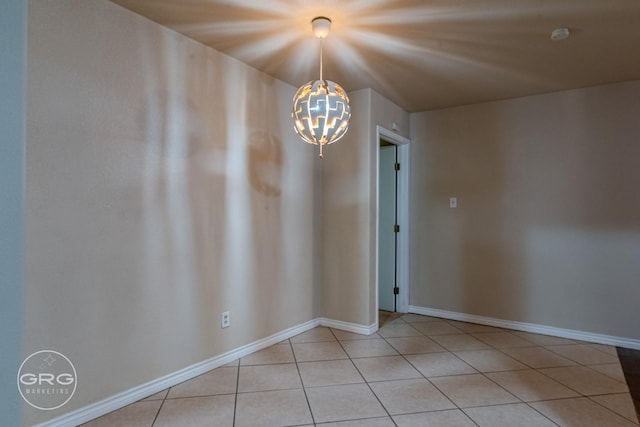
[{"x": 421, "y": 54}]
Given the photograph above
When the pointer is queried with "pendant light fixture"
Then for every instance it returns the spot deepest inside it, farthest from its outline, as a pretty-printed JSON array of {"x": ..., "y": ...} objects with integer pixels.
[{"x": 321, "y": 109}]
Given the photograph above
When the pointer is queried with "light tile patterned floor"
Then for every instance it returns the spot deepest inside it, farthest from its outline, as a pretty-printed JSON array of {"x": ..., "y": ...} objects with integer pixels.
[{"x": 416, "y": 371}]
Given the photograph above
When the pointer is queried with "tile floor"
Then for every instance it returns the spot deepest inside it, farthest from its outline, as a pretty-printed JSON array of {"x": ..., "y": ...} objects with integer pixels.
[{"x": 416, "y": 371}]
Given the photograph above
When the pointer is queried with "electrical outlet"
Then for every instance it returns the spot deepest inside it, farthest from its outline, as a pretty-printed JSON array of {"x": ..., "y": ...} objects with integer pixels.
[
  {"x": 453, "y": 202},
  {"x": 226, "y": 322}
]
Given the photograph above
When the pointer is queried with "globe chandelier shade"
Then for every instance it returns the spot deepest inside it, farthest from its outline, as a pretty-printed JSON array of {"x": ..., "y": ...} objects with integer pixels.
[{"x": 321, "y": 110}]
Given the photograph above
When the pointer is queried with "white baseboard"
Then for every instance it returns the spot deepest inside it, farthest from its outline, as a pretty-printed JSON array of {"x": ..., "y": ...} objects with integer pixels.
[
  {"x": 529, "y": 327},
  {"x": 127, "y": 397},
  {"x": 142, "y": 391},
  {"x": 349, "y": 327}
]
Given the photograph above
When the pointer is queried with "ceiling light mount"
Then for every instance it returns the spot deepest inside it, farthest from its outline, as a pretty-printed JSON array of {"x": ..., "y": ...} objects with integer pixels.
[
  {"x": 560, "y": 34},
  {"x": 321, "y": 26},
  {"x": 321, "y": 110}
]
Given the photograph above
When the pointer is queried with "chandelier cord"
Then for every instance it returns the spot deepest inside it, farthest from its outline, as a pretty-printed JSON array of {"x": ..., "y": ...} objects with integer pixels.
[{"x": 321, "y": 45}]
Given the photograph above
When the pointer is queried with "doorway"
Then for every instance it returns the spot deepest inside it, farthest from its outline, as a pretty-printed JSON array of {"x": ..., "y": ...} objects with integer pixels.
[
  {"x": 392, "y": 244},
  {"x": 387, "y": 226}
]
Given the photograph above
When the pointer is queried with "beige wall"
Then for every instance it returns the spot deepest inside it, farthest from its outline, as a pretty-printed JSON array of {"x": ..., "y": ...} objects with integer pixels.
[
  {"x": 344, "y": 217},
  {"x": 548, "y": 225},
  {"x": 164, "y": 185},
  {"x": 383, "y": 113},
  {"x": 349, "y": 209}
]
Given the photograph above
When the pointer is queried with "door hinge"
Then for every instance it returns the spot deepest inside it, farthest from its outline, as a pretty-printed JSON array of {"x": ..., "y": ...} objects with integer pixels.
[
  {"x": 396, "y": 228},
  {"x": 397, "y": 166},
  {"x": 396, "y": 290}
]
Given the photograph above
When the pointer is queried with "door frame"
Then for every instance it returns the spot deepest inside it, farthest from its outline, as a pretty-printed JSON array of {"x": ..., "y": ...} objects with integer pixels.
[{"x": 404, "y": 147}]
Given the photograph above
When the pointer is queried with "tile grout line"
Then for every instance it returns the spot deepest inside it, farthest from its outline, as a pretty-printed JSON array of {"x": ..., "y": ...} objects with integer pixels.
[
  {"x": 363, "y": 377},
  {"x": 160, "y": 408},
  {"x": 304, "y": 389},
  {"x": 235, "y": 400},
  {"x": 608, "y": 409}
]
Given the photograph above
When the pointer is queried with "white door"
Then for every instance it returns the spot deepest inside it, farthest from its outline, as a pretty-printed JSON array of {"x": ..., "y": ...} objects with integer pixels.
[{"x": 386, "y": 235}]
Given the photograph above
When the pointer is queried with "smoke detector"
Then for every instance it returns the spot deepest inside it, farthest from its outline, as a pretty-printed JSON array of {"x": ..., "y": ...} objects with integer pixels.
[{"x": 560, "y": 34}]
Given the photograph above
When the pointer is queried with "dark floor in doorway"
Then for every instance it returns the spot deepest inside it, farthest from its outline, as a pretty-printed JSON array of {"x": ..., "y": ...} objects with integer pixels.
[{"x": 630, "y": 362}]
